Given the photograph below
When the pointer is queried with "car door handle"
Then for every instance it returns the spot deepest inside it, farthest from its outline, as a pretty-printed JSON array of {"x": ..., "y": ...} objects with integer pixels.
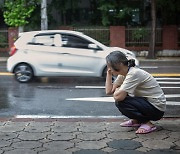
[{"x": 65, "y": 53}]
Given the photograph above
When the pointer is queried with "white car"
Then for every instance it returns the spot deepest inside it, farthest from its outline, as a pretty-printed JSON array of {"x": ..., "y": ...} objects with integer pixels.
[{"x": 59, "y": 53}]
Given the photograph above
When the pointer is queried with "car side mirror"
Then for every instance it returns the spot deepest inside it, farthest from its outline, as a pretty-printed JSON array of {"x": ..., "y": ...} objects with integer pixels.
[{"x": 93, "y": 46}]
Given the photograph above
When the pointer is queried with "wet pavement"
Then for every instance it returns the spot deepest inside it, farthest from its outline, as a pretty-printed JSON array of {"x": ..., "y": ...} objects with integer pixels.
[{"x": 86, "y": 136}]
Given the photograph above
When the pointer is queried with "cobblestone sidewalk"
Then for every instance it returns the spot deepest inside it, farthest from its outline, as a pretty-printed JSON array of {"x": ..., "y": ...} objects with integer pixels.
[{"x": 85, "y": 136}]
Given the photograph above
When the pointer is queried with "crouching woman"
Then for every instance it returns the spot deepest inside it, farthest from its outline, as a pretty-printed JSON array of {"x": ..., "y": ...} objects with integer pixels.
[{"x": 136, "y": 93}]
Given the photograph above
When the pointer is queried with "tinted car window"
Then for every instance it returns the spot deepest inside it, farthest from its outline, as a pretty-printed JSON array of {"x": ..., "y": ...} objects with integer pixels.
[{"x": 74, "y": 41}]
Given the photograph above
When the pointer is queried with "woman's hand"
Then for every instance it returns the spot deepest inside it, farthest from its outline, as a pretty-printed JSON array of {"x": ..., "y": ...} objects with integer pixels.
[
  {"x": 110, "y": 87},
  {"x": 109, "y": 72}
]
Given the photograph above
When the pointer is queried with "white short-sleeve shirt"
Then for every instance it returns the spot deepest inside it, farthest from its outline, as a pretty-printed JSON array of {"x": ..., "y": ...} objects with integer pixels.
[{"x": 139, "y": 83}]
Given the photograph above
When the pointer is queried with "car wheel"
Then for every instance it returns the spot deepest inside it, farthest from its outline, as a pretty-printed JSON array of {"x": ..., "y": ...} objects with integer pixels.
[
  {"x": 23, "y": 73},
  {"x": 104, "y": 73}
]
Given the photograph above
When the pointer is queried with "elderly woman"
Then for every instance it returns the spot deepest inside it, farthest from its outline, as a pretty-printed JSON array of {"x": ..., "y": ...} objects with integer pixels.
[{"x": 136, "y": 93}]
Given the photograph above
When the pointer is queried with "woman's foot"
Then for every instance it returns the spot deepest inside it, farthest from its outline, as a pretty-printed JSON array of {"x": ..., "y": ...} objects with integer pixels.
[
  {"x": 130, "y": 123},
  {"x": 146, "y": 128}
]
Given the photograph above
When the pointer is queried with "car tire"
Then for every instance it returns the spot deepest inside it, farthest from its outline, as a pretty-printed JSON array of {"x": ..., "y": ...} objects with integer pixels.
[
  {"x": 23, "y": 73},
  {"x": 104, "y": 73}
]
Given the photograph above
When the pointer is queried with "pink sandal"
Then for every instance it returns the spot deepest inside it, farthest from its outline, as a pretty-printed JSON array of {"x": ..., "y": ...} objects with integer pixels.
[
  {"x": 129, "y": 123},
  {"x": 146, "y": 128}
]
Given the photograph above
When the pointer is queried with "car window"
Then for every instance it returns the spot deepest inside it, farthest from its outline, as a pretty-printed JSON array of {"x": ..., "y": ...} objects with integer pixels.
[
  {"x": 74, "y": 41},
  {"x": 47, "y": 40}
]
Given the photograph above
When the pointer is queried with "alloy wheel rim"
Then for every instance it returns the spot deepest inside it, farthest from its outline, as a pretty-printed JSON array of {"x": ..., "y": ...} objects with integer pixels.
[{"x": 23, "y": 73}]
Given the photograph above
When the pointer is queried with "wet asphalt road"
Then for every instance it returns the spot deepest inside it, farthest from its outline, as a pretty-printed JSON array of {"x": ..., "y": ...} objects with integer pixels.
[
  {"x": 62, "y": 96},
  {"x": 39, "y": 98}
]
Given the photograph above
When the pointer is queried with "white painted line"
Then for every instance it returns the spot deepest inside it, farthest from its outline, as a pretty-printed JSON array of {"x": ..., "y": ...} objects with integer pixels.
[
  {"x": 90, "y": 87},
  {"x": 32, "y": 116},
  {"x": 111, "y": 99},
  {"x": 165, "y": 74},
  {"x": 172, "y": 95},
  {"x": 172, "y": 103},
  {"x": 170, "y": 87},
  {"x": 168, "y": 82},
  {"x": 167, "y": 78},
  {"x": 66, "y": 117},
  {"x": 149, "y": 67},
  {"x": 79, "y": 117},
  {"x": 103, "y": 87},
  {"x": 93, "y": 99}
]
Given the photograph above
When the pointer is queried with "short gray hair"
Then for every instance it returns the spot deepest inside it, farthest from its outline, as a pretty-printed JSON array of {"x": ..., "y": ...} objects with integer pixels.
[{"x": 117, "y": 57}]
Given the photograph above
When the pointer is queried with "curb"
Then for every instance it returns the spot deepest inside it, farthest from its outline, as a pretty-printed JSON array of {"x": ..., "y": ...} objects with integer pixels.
[
  {"x": 160, "y": 59},
  {"x": 14, "y": 119}
]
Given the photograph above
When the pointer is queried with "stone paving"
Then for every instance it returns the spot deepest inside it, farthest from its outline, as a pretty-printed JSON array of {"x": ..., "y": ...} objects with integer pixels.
[{"x": 86, "y": 136}]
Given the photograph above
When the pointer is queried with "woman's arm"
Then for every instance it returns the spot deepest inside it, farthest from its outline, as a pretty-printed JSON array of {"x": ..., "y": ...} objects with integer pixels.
[
  {"x": 110, "y": 88},
  {"x": 119, "y": 95}
]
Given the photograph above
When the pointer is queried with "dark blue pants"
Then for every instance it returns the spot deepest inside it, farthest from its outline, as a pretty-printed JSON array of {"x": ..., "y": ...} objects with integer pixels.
[{"x": 139, "y": 108}]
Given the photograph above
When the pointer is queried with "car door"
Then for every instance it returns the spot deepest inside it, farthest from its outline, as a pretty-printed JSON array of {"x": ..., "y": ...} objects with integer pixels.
[
  {"x": 76, "y": 57},
  {"x": 43, "y": 55}
]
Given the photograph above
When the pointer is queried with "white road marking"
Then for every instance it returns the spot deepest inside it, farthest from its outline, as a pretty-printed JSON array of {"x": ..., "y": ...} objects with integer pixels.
[
  {"x": 161, "y": 82},
  {"x": 111, "y": 99},
  {"x": 103, "y": 87},
  {"x": 142, "y": 67},
  {"x": 172, "y": 95},
  {"x": 167, "y": 78},
  {"x": 93, "y": 99},
  {"x": 170, "y": 87},
  {"x": 90, "y": 87},
  {"x": 66, "y": 117},
  {"x": 172, "y": 103}
]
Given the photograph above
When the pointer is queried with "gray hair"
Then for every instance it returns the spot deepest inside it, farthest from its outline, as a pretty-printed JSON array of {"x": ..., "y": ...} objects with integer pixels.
[{"x": 116, "y": 57}]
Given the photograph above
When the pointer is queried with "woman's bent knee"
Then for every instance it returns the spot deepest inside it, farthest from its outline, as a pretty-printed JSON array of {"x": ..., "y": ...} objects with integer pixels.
[{"x": 118, "y": 104}]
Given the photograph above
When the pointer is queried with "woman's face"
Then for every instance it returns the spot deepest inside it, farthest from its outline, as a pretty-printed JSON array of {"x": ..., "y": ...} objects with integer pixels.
[{"x": 114, "y": 72}]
